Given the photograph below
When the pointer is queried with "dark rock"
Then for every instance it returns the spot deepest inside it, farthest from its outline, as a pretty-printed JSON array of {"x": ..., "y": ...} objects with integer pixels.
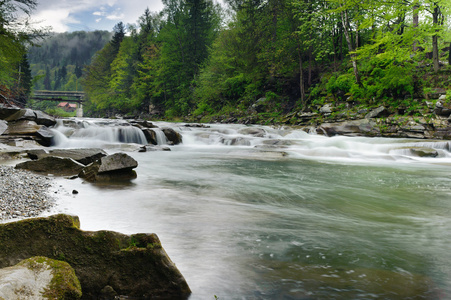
[
  {"x": 442, "y": 109},
  {"x": 23, "y": 114},
  {"x": 44, "y": 119},
  {"x": 6, "y": 112},
  {"x": 143, "y": 123},
  {"x": 151, "y": 136},
  {"x": 74, "y": 192},
  {"x": 135, "y": 266},
  {"x": 173, "y": 136},
  {"x": 44, "y": 136},
  {"x": 52, "y": 165},
  {"x": 83, "y": 156},
  {"x": 259, "y": 106},
  {"x": 379, "y": 112},
  {"x": 38, "y": 278},
  {"x": 423, "y": 152},
  {"x": 116, "y": 167}
]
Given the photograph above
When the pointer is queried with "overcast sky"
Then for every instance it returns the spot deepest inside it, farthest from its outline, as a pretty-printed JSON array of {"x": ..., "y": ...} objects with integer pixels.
[{"x": 74, "y": 15}]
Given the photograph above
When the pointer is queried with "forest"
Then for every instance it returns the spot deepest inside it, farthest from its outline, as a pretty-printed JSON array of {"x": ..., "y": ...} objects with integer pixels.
[{"x": 198, "y": 59}]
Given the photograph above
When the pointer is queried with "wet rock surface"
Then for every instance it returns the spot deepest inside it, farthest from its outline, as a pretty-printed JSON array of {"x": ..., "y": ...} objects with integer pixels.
[{"x": 23, "y": 194}]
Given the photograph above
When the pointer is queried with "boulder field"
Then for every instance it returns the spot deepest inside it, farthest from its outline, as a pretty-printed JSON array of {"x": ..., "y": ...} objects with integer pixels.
[{"x": 106, "y": 263}]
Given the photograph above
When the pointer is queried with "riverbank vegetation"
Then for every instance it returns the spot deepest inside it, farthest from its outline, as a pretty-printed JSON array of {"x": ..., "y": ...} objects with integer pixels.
[
  {"x": 200, "y": 60},
  {"x": 17, "y": 34}
]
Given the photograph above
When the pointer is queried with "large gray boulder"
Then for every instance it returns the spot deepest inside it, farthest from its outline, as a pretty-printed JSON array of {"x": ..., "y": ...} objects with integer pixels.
[
  {"x": 135, "y": 266},
  {"x": 116, "y": 167},
  {"x": 52, "y": 165},
  {"x": 39, "y": 278}
]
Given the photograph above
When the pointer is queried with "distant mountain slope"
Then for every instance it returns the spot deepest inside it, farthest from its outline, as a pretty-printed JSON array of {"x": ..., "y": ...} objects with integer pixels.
[{"x": 58, "y": 62}]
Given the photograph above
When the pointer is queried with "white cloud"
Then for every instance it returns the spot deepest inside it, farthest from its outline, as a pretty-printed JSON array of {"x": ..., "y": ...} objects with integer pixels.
[
  {"x": 57, "y": 19},
  {"x": 98, "y": 14}
]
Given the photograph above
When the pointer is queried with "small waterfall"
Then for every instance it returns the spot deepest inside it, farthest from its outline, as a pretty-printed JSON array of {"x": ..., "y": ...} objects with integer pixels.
[
  {"x": 160, "y": 136},
  {"x": 76, "y": 133}
]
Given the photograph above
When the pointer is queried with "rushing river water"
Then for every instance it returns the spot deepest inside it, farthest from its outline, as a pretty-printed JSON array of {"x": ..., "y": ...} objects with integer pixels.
[{"x": 263, "y": 213}]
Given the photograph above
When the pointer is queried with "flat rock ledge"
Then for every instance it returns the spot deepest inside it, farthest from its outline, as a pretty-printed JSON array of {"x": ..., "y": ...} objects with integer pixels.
[{"x": 107, "y": 264}]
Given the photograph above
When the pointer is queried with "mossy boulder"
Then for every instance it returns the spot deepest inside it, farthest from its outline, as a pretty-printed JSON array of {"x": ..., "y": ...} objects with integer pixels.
[
  {"x": 135, "y": 266},
  {"x": 39, "y": 278}
]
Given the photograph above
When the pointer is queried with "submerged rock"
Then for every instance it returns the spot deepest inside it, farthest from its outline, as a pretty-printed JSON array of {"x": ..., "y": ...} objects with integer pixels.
[
  {"x": 136, "y": 266},
  {"x": 39, "y": 278},
  {"x": 423, "y": 152}
]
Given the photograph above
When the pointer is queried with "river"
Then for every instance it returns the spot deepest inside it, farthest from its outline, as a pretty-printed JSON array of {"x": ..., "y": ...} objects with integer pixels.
[{"x": 265, "y": 213}]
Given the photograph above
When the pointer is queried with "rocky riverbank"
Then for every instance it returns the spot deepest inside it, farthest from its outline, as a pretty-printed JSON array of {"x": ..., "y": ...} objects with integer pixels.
[{"x": 23, "y": 194}]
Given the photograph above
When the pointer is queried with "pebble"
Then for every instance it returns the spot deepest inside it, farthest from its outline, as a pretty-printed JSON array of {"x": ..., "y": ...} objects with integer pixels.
[{"x": 23, "y": 194}]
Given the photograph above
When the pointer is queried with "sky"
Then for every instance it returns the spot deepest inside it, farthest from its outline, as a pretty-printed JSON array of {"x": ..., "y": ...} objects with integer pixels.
[{"x": 76, "y": 15}]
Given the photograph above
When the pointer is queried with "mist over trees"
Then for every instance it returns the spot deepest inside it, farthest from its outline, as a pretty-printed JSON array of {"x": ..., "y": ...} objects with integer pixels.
[{"x": 57, "y": 62}]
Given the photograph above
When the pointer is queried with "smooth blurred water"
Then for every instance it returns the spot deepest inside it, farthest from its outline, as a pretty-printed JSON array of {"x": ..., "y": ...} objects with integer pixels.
[{"x": 286, "y": 215}]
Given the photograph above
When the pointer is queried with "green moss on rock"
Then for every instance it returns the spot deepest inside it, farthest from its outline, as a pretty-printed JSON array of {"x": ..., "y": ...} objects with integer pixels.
[{"x": 98, "y": 258}]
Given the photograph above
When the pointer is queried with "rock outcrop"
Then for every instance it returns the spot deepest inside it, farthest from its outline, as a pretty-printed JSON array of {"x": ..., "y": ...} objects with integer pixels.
[
  {"x": 118, "y": 166},
  {"x": 39, "y": 278},
  {"x": 135, "y": 266},
  {"x": 26, "y": 124},
  {"x": 52, "y": 165}
]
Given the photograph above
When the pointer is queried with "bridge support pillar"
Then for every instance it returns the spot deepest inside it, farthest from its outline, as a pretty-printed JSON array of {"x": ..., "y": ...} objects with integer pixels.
[{"x": 80, "y": 110}]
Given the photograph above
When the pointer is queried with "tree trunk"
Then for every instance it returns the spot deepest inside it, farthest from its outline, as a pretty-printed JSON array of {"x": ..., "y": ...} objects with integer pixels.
[
  {"x": 435, "y": 54},
  {"x": 415, "y": 23},
  {"x": 310, "y": 59},
  {"x": 345, "y": 21},
  {"x": 449, "y": 54},
  {"x": 301, "y": 78}
]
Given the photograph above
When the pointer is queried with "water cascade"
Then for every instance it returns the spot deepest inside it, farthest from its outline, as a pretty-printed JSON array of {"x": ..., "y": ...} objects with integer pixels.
[{"x": 277, "y": 213}]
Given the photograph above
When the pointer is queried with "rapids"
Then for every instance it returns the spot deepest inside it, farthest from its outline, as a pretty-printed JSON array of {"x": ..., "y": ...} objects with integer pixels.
[{"x": 276, "y": 213}]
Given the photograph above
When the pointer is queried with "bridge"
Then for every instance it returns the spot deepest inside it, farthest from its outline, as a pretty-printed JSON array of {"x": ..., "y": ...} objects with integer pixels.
[{"x": 59, "y": 96}]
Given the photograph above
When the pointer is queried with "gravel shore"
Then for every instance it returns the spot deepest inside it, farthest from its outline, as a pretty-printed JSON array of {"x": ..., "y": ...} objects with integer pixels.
[{"x": 23, "y": 194}]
